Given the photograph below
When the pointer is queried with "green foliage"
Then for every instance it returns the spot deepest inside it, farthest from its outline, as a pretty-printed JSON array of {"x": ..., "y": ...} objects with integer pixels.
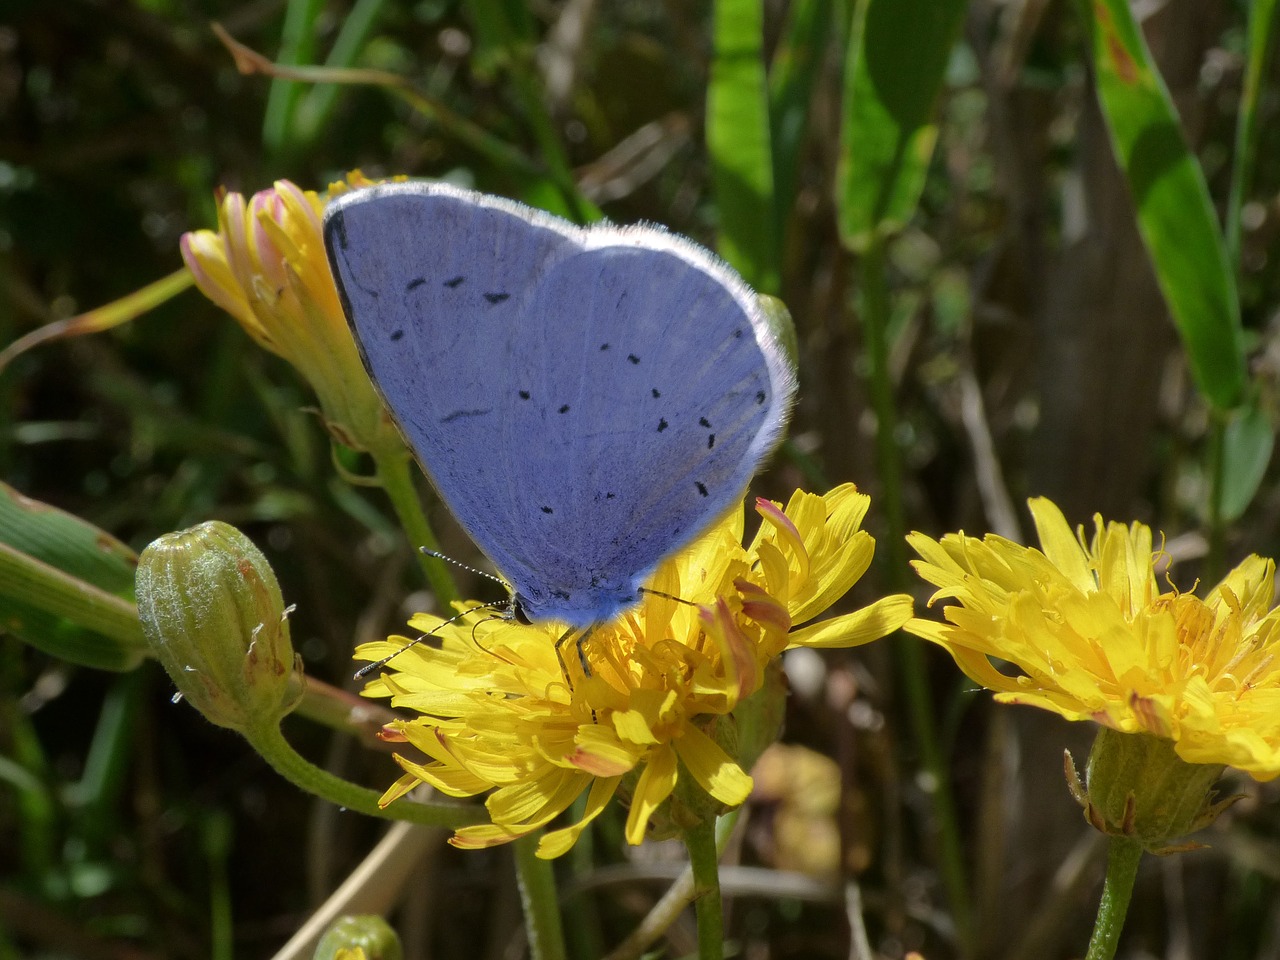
[{"x": 1175, "y": 213}]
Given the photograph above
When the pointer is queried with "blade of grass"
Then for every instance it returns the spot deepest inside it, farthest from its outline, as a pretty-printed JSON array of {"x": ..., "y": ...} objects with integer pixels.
[
  {"x": 795, "y": 68},
  {"x": 739, "y": 144},
  {"x": 1175, "y": 214},
  {"x": 1262, "y": 25},
  {"x": 66, "y": 586},
  {"x": 315, "y": 107},
  {"x": 297, "y": 47},
  {"x": 1248, "y": 439},
  {"x": 894, "y": 68},
  {"x": 894, "y": 71},
  {"x": 102, "y": 318},
  {"x": 507, "y": 29}
]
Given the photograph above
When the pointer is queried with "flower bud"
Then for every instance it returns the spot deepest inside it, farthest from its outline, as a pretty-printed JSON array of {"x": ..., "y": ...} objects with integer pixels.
[
  {"x": 266, "y": 266},
  {"x": 213, "y": 616},
  {"x": 1138, "y": 787},
  {"x": 367, "y": 936}
]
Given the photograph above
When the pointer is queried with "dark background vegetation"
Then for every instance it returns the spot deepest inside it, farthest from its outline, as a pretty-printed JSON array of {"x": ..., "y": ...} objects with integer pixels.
[{"x": 1032, "y": 353}]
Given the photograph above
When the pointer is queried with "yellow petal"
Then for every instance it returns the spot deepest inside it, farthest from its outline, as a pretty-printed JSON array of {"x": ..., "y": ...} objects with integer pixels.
[
  {"x": 656, "y": 783},
  {"x": 712, "y": 768},
  {"x": 862, "y": 626}
]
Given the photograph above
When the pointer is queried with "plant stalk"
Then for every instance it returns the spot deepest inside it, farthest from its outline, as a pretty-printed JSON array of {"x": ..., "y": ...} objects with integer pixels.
[
  {"x": 908, "y": 651},
  {"x": 1123, "y": 856}
]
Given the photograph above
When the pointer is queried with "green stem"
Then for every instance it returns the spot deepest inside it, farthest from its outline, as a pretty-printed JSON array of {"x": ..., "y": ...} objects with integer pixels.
[
  {"x": 908, "y": 651},
  {"x": 396, "y": 477},
  {"x": 1214, "y": 562},
  {"x": 701, "y": 844},
  {"x": 270, "y": 743},
  {"x": 1123, "y": 855},
  {"x": 538, "y": 894}
]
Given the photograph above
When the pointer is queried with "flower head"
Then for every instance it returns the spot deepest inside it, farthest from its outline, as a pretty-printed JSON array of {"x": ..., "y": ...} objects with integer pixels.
[
  {"x": 1096, "y": 636},
  {"x": 668, "y": 694},
  {"x": 266, "y": 266}
]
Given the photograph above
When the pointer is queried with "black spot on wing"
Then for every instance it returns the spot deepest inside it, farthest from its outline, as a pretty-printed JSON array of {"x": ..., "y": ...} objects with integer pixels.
[
  {"x": 496, "y": 298},
  {"x": 397, "y": 334},
  {"x": 415, "y": 283},
  {"x": 604, "y": 347},
  {"x": 564, "y": 409},
  {"x": 759, "y": 396},
  {"x": 464, "y": 414},
  {"x": 704, "y": 422},
  {"x": 662, "y": 424},
  {"x": 655, "y": 393},
  {"x": 547, "y": 510},
  {"x": 524, "y": 394},
  {"x": 702, "y": 487},
  {"x": 455, "y": 282},
  {"x": 633, "y": 358},
  {"x": 737, "y": 334},
  {"x": 711, "y": 440}
]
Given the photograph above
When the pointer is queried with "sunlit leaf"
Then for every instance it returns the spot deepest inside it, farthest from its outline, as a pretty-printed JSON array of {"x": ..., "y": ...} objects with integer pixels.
[
  {"x": 738, "y": 143},
  {"x": 894, "y": 68},
  {"x": 1175, "y": 214}
]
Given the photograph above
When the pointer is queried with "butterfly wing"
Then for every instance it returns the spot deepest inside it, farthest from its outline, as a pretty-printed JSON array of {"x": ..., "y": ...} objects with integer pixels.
[{"x": 585, "y": 401}]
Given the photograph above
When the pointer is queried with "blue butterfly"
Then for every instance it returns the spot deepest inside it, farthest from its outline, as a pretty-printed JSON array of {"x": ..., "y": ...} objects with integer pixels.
[{"x": 586, "y": 400}]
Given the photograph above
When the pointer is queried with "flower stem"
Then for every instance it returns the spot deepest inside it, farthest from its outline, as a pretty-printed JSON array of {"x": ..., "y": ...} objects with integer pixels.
[
  {"x": 701, "y": 844},
  {"x": 538, "y": 895},
  {"x": 270, "y": 743},
  {"x": 1214, "y": 563},
  {"x": 1123, "y": 855},
  {"x": 908, "y": 652},
  {"x": 396, "y": 477}
]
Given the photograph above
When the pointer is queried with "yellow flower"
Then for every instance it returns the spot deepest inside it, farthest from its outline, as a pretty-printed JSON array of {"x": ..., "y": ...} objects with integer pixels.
[
  {"x": 1095, "y": 637},
  {"x": 657, "y": 699},
  {"x": 266, "y": 266}
]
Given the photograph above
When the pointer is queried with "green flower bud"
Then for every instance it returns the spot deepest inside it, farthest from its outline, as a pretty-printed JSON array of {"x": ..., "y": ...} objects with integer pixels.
[
  {"x": 1138, "y": 787},
  {"x": 213, "y": 616},
  {"x": 370, "y": 935}
]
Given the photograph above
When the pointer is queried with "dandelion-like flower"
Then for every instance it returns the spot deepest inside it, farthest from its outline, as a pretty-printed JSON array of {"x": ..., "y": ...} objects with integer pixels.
[
  {"x": 1095, "y": 635},
  {"x": 670, "y": 701},
  {"x": 266, "y": 266}
]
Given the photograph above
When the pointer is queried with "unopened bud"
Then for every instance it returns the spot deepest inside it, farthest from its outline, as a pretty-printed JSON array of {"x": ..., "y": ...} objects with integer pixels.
[
  {"x": 212, "y": 614},
  {"x": 367, "y": 936}
]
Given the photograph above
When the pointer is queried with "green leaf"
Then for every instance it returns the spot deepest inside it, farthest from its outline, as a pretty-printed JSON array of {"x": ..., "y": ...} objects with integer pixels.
[
  {"x": 315, "y": 108},
  {"x": 66, "y": 587},
  {"x": 1262, "y": 24},
  {"x": 894, "y": 69},
  {"x": 795, "y": 68},
  {"x": 297, "y": 47},
  {"x": 739, "y": 144},
  {"x": 1247, "y": 442},
  {"x": 1175, "y": 214}
]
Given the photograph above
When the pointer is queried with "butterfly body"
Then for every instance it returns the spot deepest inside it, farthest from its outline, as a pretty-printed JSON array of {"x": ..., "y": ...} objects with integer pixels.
[{"x": 586, "y": 400}]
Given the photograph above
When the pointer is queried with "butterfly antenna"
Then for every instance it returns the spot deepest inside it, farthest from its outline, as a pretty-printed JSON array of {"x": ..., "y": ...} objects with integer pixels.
[
  {"x": 370, "y": 667},
  {"x": 668, "y": 596},
  {"x": 464, "y": 566}
]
